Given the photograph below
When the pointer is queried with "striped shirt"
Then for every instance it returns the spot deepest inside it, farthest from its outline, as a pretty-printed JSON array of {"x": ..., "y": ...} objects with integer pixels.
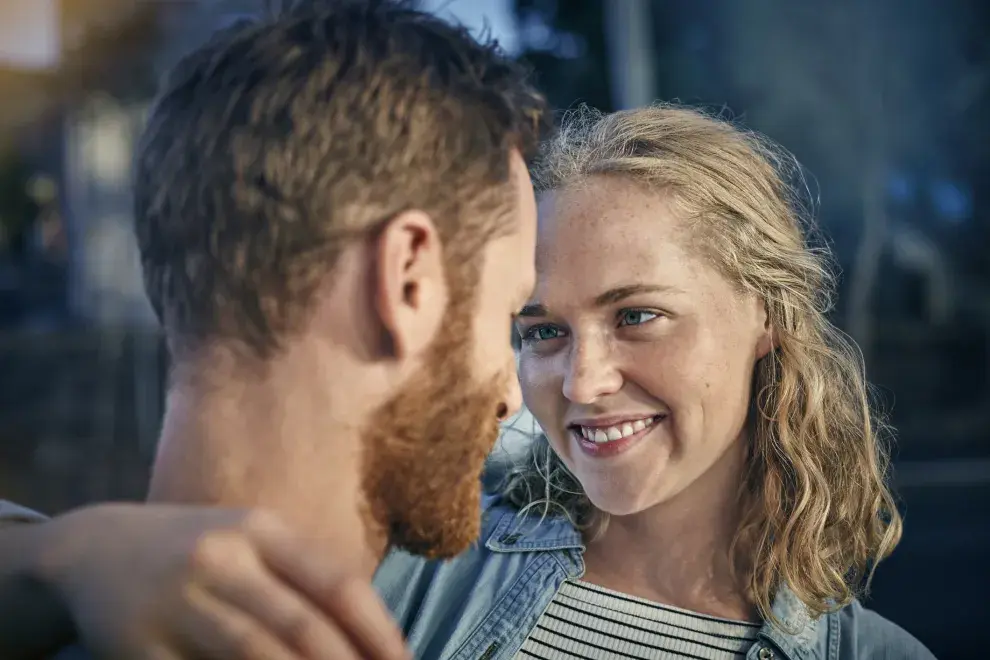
[{"x": 588, "y": 621}]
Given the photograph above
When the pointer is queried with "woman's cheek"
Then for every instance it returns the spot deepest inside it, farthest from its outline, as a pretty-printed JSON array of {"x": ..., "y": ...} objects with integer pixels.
[{"x": 537, "y": 389}]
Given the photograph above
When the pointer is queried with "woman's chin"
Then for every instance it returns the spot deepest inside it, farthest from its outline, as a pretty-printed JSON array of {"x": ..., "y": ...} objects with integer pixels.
[
  {"x": 622, "y": 500},
  {"x": 631, "y": 488}
]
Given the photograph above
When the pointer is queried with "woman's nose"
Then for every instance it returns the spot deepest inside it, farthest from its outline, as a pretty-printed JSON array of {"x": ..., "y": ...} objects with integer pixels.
[{"x": 590, "y": 373}]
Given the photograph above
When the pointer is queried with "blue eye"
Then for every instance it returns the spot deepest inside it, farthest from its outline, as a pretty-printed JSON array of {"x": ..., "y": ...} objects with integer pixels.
[
  {"x": 635, "y": 317},
  {"x": 541, "y": 333}
]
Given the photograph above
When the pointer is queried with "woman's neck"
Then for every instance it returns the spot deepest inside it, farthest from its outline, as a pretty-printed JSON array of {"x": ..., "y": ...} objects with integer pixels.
[{"x": 678, "y": 551}]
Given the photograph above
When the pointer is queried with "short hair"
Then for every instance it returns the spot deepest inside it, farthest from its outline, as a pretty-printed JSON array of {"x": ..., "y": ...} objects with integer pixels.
[{"x": 279, "y": 139}]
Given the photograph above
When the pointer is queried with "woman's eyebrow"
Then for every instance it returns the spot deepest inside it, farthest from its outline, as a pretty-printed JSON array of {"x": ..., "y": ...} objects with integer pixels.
[
  {"x": 618, "y": 293},
  {"x": 534, "y": 310},
  {"x": 610, "y": 297}
]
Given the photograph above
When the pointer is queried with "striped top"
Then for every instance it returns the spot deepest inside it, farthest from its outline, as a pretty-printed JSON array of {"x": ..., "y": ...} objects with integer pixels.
[{"x": 588, "y": 621}]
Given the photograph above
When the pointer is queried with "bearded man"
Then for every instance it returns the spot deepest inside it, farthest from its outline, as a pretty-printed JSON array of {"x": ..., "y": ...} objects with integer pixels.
[{"x": 336, "y": 225}]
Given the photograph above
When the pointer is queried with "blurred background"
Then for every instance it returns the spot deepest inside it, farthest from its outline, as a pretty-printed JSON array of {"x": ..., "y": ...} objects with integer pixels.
[{"x": 883, "y": 101}]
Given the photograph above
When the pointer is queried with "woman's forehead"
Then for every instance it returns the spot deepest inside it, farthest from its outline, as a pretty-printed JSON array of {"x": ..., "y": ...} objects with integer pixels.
[
  {"x": 594, "y": 239},
  {"x": 600, "y": 229},
  {"x": 606, "y": 205}
]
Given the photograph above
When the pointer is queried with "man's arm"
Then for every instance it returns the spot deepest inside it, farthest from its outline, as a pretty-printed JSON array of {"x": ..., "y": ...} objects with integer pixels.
[{"x": 33, "y": 620}]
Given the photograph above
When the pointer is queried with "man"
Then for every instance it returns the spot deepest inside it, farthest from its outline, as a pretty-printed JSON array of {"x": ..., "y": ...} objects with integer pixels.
[{"x": 336, "y": 225}]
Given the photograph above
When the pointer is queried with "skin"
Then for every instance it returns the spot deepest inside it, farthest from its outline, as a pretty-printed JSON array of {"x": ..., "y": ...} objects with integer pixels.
[
  {"x": 427, "y": 446},
  {"x": 629, "y": 321},
  {"x": 320, "y": 434},
  {"x": 306, "y": 463}
]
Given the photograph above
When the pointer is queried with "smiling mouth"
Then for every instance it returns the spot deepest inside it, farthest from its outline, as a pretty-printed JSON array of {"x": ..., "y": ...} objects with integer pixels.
[{"x": 604, "y": 434}]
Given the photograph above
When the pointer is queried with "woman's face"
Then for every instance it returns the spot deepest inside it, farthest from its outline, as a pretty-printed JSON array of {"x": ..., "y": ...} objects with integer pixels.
[{"x": 637, "y": 355}]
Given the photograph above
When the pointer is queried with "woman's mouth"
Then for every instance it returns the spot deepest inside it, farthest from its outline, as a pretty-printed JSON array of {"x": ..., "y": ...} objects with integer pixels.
[{"x": 602, "y": 441}]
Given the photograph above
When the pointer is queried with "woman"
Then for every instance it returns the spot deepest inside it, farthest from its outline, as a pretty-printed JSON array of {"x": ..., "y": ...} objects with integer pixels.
[{"x": 711, "y": 479}]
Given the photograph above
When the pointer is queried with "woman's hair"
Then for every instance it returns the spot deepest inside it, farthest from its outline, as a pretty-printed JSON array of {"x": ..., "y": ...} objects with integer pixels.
[{"x": 817, "y": 514}]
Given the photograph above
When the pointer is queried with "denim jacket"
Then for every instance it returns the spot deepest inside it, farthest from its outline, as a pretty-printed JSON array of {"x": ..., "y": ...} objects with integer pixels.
[{"x": 483, "y": 604}]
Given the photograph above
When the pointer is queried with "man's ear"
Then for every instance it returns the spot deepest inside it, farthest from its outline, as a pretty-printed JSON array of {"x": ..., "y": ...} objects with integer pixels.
[{"x": 410, "y": 286}]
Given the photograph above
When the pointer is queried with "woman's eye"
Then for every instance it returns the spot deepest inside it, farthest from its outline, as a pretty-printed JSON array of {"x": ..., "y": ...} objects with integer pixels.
[
  {"x": 541, "y": 333},
  {"x": 636, "y": 317}
]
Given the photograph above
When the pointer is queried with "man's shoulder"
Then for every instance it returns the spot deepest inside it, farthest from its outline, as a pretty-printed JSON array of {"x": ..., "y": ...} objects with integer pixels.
[
  {"x": 15, "y": 513},
  {"x": 400, "y": 567},
  {"x": 403, "y": 579},
  {"x": 867, "y": 634},
  {"x": 493, "y": 509}
]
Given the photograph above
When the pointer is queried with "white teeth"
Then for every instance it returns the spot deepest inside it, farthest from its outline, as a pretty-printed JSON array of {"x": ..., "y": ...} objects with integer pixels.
[{"x": 612, "y": 433}]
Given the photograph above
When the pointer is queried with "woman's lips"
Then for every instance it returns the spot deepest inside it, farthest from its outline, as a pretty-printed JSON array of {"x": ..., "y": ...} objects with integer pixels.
[{"x": 613, "y": 447}]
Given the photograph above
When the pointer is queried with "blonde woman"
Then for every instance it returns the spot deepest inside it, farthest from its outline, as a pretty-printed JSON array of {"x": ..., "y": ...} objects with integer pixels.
[{"x": 711, "y": 482}]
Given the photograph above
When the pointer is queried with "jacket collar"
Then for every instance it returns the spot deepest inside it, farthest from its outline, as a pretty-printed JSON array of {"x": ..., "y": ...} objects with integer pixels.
[
  {"x": 506, "y": 531},
  {"x": 797, "y": 634}
]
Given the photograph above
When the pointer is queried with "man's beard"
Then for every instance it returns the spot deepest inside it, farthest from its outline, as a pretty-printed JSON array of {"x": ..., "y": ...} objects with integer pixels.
[{"x": 425, "y": 449}]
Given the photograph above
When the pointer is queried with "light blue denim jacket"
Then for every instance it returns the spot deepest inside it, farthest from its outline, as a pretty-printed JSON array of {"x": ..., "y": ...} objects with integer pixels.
[{"x": 482, "y": 604}]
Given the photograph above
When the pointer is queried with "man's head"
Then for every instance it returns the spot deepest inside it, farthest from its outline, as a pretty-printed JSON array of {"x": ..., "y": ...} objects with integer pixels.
[{"x": 344, "y": 186}]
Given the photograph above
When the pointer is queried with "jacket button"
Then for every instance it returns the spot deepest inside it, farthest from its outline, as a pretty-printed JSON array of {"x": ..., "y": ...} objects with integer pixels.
[
  {"x": 766, "y": 653},
  {"x": 509, "y": 539}
]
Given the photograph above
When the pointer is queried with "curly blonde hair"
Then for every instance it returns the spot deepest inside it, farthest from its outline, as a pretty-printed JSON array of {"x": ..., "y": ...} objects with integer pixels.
[{"x": 817, "y": 512}]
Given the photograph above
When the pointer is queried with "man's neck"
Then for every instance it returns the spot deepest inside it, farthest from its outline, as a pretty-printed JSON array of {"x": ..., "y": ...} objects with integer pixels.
[{"x": 269, "y": 444}]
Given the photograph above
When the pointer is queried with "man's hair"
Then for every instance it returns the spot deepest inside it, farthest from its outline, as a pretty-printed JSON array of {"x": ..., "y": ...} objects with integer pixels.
[{"x": 281, "y": 139}]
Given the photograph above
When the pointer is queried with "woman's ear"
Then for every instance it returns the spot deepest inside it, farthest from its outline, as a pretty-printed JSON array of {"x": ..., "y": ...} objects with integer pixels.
[{"x": 768, "y": 340}]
